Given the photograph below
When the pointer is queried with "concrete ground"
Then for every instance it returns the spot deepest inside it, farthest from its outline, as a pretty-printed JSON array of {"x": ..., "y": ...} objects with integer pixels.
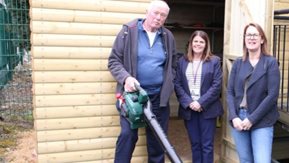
[{"x": 179, "y": 139}]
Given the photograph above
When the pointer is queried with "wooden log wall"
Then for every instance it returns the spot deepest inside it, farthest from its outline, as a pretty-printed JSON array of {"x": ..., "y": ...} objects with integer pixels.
[
  {"x": 75, "y": 116},
  {"x": 281, "y": 148},
  {"x": 281, "y": 5}
]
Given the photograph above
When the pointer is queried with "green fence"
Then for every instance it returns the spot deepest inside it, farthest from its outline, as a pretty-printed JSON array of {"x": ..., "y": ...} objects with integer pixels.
[
  {"x": 3, "y": 47},
  {"x": 15, "y": 65}
]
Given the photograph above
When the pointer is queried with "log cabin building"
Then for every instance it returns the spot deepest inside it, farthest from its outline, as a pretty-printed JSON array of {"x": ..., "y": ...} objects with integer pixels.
[{"x": 73, "y": 91}]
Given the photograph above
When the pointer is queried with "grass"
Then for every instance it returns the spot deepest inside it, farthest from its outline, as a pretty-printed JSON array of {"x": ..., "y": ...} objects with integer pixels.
[
  {"x": 10, "y": 126},
  {"x": 8, "y": 136}
]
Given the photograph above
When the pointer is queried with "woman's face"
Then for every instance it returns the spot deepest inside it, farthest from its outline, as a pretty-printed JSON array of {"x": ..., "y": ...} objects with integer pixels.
[
  {"x": 198, "y": 45},
  {"x": 253, "y": 39}
]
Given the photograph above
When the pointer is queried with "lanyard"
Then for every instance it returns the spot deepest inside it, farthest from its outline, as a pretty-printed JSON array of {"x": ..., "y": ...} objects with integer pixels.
[{"x": 196, "y": 72}]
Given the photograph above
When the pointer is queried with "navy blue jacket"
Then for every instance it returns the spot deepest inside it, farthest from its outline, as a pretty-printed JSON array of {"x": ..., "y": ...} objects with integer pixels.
[
  {"x": 211, "y": 84},
  {"x": 262, "y": 92}
]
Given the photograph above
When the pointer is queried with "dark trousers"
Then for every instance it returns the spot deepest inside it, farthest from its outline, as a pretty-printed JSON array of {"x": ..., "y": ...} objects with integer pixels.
[
  {"x": 201, "y": 134},
  {"x": 127, "y": 139}
]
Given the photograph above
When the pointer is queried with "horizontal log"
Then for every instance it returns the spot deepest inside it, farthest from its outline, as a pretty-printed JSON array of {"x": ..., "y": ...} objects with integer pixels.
[
  {"x": 81, "y": 145},
  {"x": 284, "y": 64},
  {"x": 283, "y": 101},
  {"x": 73, "y": 100},
  {"x": 81, "y": 111},
  {"x": 285, "y": 88},
  {"x": 71, "y": 76},
  {"x": 74, "y": 28},
  {"x": 77, "y": 134},
  {"x": 76, "y": 123},
  {"x": 88, "y": 155},
  {"x": 281, "y": 4},
  {"x": 284, "y": 73},
  {"x": 78, "y": 100},
  {"x": 280, "y": 50},
  {"x": 58, "y": 15},
  {"x": 70, "y": 64},
  {"x": 71, "y": 40},
  {"x": 133, "y": 159},
  {"x": 100, "y": 5},
  {"x": 73, "y": 88},
  {"x": 70, "y": 52},
  {"x": 74, "y": 111}
]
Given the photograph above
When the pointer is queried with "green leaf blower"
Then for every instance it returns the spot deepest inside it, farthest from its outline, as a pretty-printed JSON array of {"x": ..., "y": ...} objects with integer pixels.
[{"x": 136, "y": 107}]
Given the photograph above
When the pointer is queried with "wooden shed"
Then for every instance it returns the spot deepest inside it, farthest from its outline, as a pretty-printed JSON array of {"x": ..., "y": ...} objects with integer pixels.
[{"x": 74, "y": 101}]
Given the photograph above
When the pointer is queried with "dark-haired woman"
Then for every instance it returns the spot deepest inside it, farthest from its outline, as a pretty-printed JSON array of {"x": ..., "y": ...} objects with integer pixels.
[{"x": 198, "y": 85}]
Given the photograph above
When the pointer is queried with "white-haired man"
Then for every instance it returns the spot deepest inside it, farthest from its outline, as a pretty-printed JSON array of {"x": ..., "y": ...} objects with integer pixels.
[{"x": 144, "y": 52}]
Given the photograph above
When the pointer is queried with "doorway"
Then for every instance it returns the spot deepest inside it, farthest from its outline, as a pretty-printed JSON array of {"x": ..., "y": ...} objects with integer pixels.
[{"x": 185, "y": 17}]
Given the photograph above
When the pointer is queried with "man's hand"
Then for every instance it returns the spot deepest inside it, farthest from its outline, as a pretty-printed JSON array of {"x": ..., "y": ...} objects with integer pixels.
[{"x": 129, "y": 85}]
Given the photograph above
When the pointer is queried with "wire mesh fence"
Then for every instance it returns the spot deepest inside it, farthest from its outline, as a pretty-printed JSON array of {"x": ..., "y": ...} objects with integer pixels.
[{"x": 15, "y": 65}]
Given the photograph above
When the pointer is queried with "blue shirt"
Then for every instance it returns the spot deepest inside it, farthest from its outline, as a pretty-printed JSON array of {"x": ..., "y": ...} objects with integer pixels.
[{"x": 151, "y": 61}]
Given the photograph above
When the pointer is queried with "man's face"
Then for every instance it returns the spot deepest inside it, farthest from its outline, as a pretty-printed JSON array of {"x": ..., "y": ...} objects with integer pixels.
[{"x": 156, "y": 16}]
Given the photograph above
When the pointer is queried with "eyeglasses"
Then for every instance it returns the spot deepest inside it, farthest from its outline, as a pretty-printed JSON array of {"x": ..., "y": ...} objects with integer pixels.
[{"x": 252, "y": 36}]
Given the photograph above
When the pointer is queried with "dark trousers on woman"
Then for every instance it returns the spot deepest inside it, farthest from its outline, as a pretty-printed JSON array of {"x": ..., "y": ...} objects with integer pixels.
[
  {"x": 201, "y": 133},
  {"x": 127, "y": 139}
]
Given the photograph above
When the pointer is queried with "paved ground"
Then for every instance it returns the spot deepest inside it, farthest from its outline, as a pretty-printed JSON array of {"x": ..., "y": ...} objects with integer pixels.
[{"x": 178, "y": 137}]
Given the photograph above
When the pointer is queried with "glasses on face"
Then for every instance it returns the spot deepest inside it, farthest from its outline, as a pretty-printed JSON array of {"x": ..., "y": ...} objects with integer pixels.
[{"x": 252, "y": 35}]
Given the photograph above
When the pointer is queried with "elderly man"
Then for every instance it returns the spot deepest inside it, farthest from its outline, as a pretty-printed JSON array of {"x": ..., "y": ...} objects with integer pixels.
[{"x": 144, "y": 52}]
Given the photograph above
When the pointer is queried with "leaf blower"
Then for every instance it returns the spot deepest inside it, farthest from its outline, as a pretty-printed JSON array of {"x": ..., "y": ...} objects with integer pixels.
[{"x": 136, "y": 107}]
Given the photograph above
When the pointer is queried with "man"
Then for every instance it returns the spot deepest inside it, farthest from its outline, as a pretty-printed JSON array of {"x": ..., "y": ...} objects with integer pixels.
[{"x": 144, "y": 53}]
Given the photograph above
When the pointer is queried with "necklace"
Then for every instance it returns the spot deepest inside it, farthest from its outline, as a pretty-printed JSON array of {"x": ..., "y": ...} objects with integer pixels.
[{"x": 196, "y": 70}]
